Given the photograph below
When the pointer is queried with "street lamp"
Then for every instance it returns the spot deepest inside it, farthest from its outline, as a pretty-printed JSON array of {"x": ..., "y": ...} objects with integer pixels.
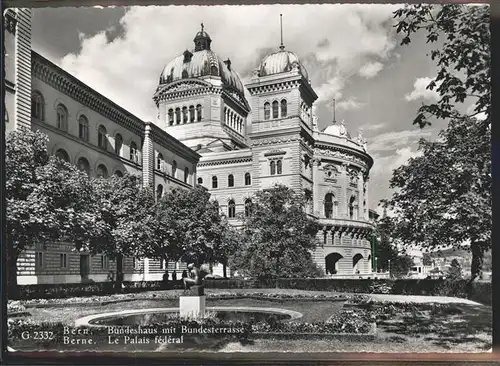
[
  {"x": 376, "y": 266},
  {"x": 389, "y": 268}
]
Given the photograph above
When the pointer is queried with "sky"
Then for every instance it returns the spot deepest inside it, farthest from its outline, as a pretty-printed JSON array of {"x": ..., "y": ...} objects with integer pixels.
[{"x": 351, "y": 52}]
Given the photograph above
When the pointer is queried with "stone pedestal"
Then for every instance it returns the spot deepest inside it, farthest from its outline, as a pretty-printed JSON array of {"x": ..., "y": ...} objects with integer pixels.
[{"x": 192, "y": 306}]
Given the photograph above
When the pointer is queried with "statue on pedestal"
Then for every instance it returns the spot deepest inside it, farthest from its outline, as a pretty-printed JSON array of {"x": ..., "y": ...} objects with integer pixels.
[{"x": 194, "y": 282}]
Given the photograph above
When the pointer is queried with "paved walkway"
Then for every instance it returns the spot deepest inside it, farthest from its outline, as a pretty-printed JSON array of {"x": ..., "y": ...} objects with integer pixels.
[{"x": 421, "y": 299}]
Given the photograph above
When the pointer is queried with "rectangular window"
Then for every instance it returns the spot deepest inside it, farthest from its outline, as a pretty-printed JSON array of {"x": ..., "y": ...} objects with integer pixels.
[
  {"x": 63, "y": 260},
  {"x": 104, "y": 262},
  {"x": 137, "y": 263},
  {"x": 39, "y": 260}
]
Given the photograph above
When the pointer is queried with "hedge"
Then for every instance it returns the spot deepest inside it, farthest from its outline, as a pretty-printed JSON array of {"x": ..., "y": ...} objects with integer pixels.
[{"x": 476, "y": 291}]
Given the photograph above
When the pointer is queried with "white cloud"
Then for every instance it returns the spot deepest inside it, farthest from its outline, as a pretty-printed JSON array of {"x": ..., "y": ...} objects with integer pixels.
[
  {"x": 420, "y": 90},
  {"x": 127, "y": 69},
  {"x": 349, "y": 104},
  {"x": 373, "y": 127},
  {"x": 391, "y": 141},
  {"x": 371, "y": 69}
]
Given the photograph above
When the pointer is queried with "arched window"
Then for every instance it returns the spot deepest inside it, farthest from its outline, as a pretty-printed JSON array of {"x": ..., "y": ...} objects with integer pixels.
[
  {"x": 267, "y": 110},
  {"x": 248, "y": 207},
  {"x": 62, "y": 117},
  {"x": 184, "y": 74},
  {"x": 200, "y": 180},
  {"x": 214, "y": 182},
  {"x": 214, "y": 71},
  {"x": 159, "y": 161},
  {"x": 177, "y": 116},
  {"x": 83, "y": 164},
  {"x": 102, "y": 140},
  {"x": 275, "y": 109},
  {"x": 351, "y": 208},
  {"x": 63, "y": 155},
  {"x": 186, "y": 175},
  {"x": 159, "y": 191},
  {"x": 283, "y": 108},
  {"x": 133, "y": 152},
  {"x": 119, "y": 173},
  {"x": 83, "y": 128},
  {"x": 248, "y": 179},
  {"x": 184, "y": 115},
  {"x": 37, "y": 106},
  {"x": 329, "y": 205},
  {"x": 231, "y": 209},
  {"x": 230, "y": 180},
  {"x": 279, "y": 164},
  {"x": 102, "y": 171},
  {"x": 198, "y": 112},
  {"x": 272, "y": 167},
  {"x": 118, "y": 144},
  {"x": 174, "y": 169},
  {"x": 191, "y": 113},
  {"x": 170, "y": 117}
]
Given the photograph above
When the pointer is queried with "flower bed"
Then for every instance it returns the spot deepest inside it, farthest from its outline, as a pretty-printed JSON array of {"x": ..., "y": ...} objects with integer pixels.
[{"x": 104, "y": 300}]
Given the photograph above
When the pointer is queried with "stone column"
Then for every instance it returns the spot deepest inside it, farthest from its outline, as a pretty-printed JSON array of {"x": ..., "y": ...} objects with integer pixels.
[
  {"x": 145, "y": 274},
  {"x": 344, "y": 207},
  {"x": 361, "y": 197},
  {"x": 365, "y": 187},
  {"x": 315, "y": 176},
  {"x": 148, "y": 157}
]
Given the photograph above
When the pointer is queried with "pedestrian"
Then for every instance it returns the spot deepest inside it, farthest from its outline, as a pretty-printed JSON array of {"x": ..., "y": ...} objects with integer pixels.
[
  {"x": 174, "y": 275},
  {"x": 165, "y": 276}
]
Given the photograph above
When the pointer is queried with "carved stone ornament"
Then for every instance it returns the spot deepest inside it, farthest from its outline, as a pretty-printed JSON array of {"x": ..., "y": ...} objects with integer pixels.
[
  {"x": 338, "y": 154},
  {"x": 10, "y": 21}
]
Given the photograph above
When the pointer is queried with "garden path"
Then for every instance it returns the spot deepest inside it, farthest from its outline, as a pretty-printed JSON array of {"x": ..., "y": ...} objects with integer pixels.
[{"x": 421, "y": 299}]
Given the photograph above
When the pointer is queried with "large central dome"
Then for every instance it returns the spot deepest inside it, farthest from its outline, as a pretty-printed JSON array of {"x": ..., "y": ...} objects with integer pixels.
[{"x": 202, "y": 62}]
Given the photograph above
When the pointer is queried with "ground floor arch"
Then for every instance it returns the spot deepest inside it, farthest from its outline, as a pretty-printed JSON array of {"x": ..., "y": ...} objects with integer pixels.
[{"x": 331, "y": 263}]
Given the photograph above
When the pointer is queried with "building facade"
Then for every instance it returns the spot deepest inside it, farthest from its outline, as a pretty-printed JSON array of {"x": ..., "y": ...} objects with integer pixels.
[
  {"x": 281, "y": 145},
  {"x": 203, "y": 135}
]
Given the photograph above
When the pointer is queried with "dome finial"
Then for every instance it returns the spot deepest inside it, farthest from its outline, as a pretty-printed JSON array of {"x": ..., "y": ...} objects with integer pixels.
[
  {"x": 282, "y": 47},
  {"x": 334, "y": 121},
  {"x": 202, "y": 40}
]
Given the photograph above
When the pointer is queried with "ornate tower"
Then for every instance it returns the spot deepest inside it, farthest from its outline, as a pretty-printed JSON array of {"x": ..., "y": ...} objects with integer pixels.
[
  {"x": 281, "y": 133},
  {"x": 201, "y": 100}
]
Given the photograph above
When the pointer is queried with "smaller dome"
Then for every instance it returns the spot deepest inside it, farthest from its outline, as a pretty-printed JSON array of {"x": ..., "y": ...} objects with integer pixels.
[
  {"x": 337, "y": 130},
  {"x": 281, "y": 61}
]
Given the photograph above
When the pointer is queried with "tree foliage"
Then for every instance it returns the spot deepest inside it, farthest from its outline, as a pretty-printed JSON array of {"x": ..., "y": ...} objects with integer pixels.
[
  {"x": 462, "y": 37},
  {"x": 190, "y": 227},
  {"x": 443, "y": 198},
  {"x": 387, "y": 252},
  {"x": 47, "y": 199},
  {"x": 279, "y": 235},
  {"x": 455, "y": 270}
]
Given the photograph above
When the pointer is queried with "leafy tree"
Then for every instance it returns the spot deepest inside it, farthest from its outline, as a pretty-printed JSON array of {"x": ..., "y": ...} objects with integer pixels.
[
  {"x": 47, "y": 199},
  {"x": 386, "y": 251},
  {"x": 455, "y": 271},
  {"x": 280, "y": 235},
  {"x": 128, "y": 223},
  {"x": 190, "y": 227},
  {"x": 462, "y": 54},
  {"x": 230, "y": 244},
  {"x": 443, "y": 198}
]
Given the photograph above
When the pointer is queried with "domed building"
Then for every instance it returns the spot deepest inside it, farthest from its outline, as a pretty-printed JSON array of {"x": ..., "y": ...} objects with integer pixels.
[
  {"x": 202, "y": 136},
  {"x": 201, "y": 102}
]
